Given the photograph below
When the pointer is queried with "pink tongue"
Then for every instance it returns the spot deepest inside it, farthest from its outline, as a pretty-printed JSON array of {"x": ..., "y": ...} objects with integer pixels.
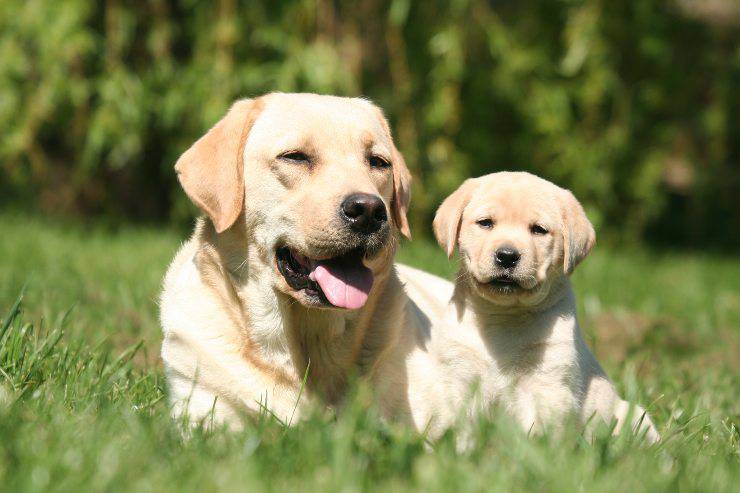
[{"x": 346, "y": 285}]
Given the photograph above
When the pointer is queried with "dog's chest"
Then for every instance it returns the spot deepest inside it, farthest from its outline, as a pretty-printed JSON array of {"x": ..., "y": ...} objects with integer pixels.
[{"x": 538, "y": 384}]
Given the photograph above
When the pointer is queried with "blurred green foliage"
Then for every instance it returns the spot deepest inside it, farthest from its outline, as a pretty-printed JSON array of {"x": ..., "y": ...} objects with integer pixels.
[{"x": 631, "y": 104}]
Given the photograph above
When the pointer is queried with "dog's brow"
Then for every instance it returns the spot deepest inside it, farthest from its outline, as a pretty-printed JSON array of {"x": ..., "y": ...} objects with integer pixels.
[
  {"x": 484, "y": 210},
  {"x": 293, "y": 141},
  {"x": 367, "y": 139},
  {"x": 378, "y": 147}
]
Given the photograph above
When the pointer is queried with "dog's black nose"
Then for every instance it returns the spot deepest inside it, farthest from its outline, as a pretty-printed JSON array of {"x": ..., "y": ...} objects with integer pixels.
[
  {"x": 507, "y": 257},
  {"x": 365, "y": 213}
]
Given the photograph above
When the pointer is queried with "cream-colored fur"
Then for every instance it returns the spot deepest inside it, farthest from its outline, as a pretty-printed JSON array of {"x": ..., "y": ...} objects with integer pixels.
[
  {"x": 237, "y": 337},
  {"x": 525, "y": 335}
]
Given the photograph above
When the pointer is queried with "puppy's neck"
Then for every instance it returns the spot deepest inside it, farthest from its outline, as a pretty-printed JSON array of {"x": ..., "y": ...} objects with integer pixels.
[{"x": 517, "y": 337}]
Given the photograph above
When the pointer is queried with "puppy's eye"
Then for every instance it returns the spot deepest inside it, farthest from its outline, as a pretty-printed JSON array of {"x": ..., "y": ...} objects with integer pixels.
[
  {"x": 538, "y": 229},
  {"x": 485, "y": 223},
  {"x": 297, "y": 156},
  {"x": 378, "y": 162}
]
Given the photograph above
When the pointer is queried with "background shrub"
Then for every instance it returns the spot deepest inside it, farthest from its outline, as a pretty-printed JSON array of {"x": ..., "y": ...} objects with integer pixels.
[{"x": 632, "y": 105}]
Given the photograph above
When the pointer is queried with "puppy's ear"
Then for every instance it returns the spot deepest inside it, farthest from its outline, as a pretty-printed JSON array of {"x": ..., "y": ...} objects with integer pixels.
[
  {"x": 212, "y": 172},
  {"x": 578, "y": 233},
  {"x": 447, "y": 220},
  {"x": 401, "y": 178}
]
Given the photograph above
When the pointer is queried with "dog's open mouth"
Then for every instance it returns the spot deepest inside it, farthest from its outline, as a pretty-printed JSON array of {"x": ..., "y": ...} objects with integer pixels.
[
  {"x": 343, "y": 281},
  {"x": 504, "y": 283}
]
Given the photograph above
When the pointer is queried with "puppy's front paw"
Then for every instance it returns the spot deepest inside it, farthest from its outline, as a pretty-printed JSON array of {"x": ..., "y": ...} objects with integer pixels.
[{"x": 640, "y": 422}]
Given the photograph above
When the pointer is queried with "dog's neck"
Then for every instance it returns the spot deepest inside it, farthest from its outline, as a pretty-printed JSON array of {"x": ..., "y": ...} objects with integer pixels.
[
  {"x": 325, "y": 346},
  {"x": 508, "y": 332}
]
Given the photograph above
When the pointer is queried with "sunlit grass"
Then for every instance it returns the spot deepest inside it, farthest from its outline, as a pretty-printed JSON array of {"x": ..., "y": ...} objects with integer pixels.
[{"x": 82, "y": 402}]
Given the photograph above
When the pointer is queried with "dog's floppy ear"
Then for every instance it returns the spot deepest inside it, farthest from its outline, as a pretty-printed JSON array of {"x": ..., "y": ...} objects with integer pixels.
[
  {"x": 401, "y": 179},
  {"x": 578, "y": 233},
  {"x": 401, "y": 193},
  {"x": 447, "y": 220},
  {"x": 212, "y": 172}
]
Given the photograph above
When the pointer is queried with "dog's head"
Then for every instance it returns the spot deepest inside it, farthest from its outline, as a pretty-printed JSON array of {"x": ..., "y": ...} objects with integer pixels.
[
  {"x": 517, "y": 234},
  {"x": 315, "y": 181}
]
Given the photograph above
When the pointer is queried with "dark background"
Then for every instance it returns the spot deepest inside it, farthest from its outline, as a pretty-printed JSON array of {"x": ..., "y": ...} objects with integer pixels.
[{"x": 631, "y": 104}]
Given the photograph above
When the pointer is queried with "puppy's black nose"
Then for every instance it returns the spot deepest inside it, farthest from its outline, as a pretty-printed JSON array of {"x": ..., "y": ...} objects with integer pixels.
[
  {"x": 507, "y": 257},
  {"x": 365, "y": 213}
]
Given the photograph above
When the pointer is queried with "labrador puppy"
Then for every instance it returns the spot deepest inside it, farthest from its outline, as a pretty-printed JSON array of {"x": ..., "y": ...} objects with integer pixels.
[
  {"x": 519, "y": 238},
  {"x": 289, "y": 277}
]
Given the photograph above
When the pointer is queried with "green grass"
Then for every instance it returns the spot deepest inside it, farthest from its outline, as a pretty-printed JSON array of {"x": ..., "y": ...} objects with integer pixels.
[{"x": 82, "y": 397}]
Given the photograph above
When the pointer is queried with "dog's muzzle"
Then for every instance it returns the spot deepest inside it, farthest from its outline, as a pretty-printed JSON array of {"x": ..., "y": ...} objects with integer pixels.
[{"x": 342, "y": 281}]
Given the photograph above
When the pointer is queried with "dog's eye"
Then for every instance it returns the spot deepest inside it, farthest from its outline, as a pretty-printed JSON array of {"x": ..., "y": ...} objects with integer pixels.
[
  {"x": 378, "y": 162},
  {"x": 538, "y": 229},
  {"x": 296, "y": 156},
  {"x": 485, "y": 223}
]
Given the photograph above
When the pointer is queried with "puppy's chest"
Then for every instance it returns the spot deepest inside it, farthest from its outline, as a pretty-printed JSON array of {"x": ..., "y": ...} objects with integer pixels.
[{"x": 547, "y": 369}]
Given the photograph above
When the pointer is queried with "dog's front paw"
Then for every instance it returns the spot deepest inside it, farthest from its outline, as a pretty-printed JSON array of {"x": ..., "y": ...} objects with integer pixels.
[{"x": 640, "y": 422}]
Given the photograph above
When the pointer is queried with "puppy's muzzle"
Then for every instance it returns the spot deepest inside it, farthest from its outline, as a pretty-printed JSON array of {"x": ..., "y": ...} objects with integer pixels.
[
  {"x": 507, "y": 257},
  {"x": 506, "y": 278}
]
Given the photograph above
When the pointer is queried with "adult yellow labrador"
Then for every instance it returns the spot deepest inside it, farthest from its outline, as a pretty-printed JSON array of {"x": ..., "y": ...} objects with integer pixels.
[{"x": 291, "y": 273}]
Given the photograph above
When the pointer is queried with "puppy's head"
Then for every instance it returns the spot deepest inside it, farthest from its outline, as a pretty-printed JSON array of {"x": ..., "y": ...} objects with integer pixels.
[
  {"x": 517, "y": 234},
  {"x": 315, "y": 181}
]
